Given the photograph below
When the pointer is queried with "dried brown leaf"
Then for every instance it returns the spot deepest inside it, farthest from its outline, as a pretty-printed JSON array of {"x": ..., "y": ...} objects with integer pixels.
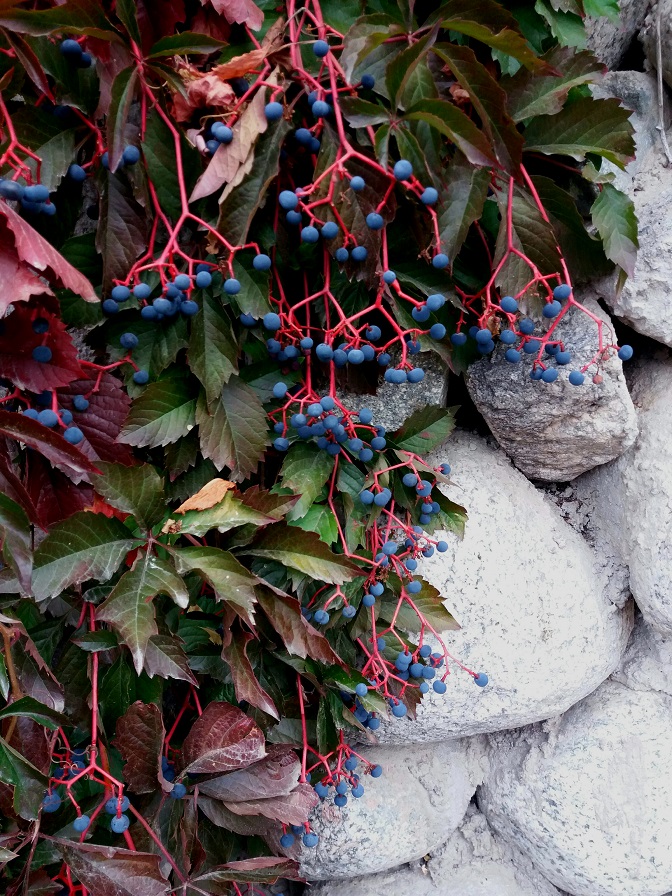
[{"x": 211, "y": 493}]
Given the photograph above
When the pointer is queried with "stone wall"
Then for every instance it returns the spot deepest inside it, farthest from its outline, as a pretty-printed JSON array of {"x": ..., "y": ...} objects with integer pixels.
[{"x": 555, "y": 779}]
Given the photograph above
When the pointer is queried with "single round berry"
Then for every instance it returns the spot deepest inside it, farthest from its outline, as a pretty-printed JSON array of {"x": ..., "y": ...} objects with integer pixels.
[
  {"x": 329, "y": 230},
  {"x": 440, "y": 261},
  {"x": 526, "y": 326},
  {"x": 303, "y": 136},
  {"x": 9, "y": 189},
  {"x": 508, "y": 337},
  {"x": 128, "y": 340},
  {"x": 357, "y": 183},
  {"x": 439, "y": 686},
  {"x": 279, "y": 390},
  {"x": 361, "y": 690},
  {"x": 389, "y": 277},
  {"x": 437, "y": 331},
  {"x": 273, "y": 111},
  {"x": 414, "y": 587},
  {"x": 531, "y": 346},
  {"x": 368, "y": 82},
  {"x": 232, "y": 286},
  {"x": 549, "y": 375},
  {"x": 321, "y": 109},
  {"x": 140, "y": 377},
  {"x": 287, "y": 841},
  {"x": 481, "y": 679},
  {"x": 271, "y": 321},
  {"x": 189, "y": 308},
  {"x": 403, "y": 170},
  {"x": 512, "y": 355},
  {"x": 374, "y": 221},
  {"x": 458, "y": 339},
  {"x": 110, "y": 306},
  {"x": 119, "y": 824},
  {"x": 179, "y": 791},
  {"x": 398, "y": 709},
  {"x": 142, "y": 291},
  {"x": 131, "y": 155},
  {"x": 42, "y": 353},
  {"x": 51, "y": 802},
  {"x": 310, "y": 234},
  {"x": 71, "y": 48},
  {"x": 76, "y": 173},
  {"x": 80, "y": 403},
  {"x": 31, "y": 414},
  {"x": 576, "y": 378},
  {"x": 47, "y": 417},
  {"x": 366, "y": 496},
  {"x": 81, "y": 823},
  {"x": 281, "y": 444},
  {"x": 562, "y": 292},
  {"x": 359, "y": 253},
  {"x": 429, "y": 196},
  {"x": 349, "y": 612},
  {"x": 182, "y": 281},
  {"x": 321, "y": 617},
  {"x": 368, "y": 600},
  {"x": 420, "y": 313},
  {"x": 73, "y": 434},
  {"x": 436, "y": 301},
  {"x": 310, "y": 840},
  {"x": 320, "y": 48},
  {"x": 288, "y": 200},
  {"x": 552, "y": 309},
  {"x": 221, "y": 132},
  {"x": 563, "y": 358},
  {"x": 509, "y": 305},
  {"x": 625, "y": 352}
]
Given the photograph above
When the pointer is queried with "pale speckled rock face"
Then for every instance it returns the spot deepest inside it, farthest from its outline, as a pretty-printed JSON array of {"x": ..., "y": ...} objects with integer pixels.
[
  {"x": 647, "y": 661},
  {"x": 632, "y": 498},
  {"x": 413, "y": 807},
  {"x": 555, "y": 431},
  {"x": 609, "y": 40},
  {"x": 648, "y": 37},
  {"x": 532, "y": 600},
  {"x": 588, "y": 796}
]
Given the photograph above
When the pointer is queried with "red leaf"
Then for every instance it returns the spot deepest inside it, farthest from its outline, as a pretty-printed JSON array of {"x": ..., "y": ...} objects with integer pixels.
[
  {"x": 49, "y": 443},
  {"x": 263, "y": 870},
  {"x": 221, "y": 740},
  {"x": 102, "y": 421},
  {"x": 298, "y": 635},
  {"x": 17, "y": 342},
  {"x": 12, "y": 270},
  {"x": 244, "y": 680},
  {"x": 41, "y": 255},
  {"x": 107, "y": 871},
  {"x": 54, "y": 496},
  {"x": 12, "y": 486},
  {"x": 294, "y": 808},
  {"x": 240, "y": 12},
  {"x": 139, "y": 739},
  {"x": 275, "y": 775}
]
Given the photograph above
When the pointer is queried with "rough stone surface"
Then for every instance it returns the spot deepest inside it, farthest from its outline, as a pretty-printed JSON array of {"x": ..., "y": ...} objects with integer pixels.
[
  {"x": 609, "y": 40},
  {"x": 532, "y": 600},
  {"x": 474, "y": 862},
  {"x": 648, "y": 37},
  {"x": 588, "y": 796},
  {"x": 630, "y": 500},
  {"x": 647, "y": 662},
  {"x": 412, "y": 808},
  {"x": 392, "y": 404},
  {"x": 554, "y": 432}
]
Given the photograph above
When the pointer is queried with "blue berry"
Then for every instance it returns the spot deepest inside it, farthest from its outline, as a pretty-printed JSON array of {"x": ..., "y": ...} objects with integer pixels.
[
  {"x": 110, "y": 306},
  {"x": 281, "y": 444},
  {"x": 341, "y": 255},
  {"x": 357, "y": 183},
  {"x": 47, "y": 417},
  {"x": 321, "y": 617},
  {"x": 340, "y": 800},
  {"x": 509, "y": 305},
  {"x": 303, "y": 136},
  {"x": 128, "y": 340},
  {"x": 439, "y": 686},
  {"x": 182, "y": 281},
  {"x": 31, "y": 413},
  {"x": 398, "y": 709},
  {"x": 310, "y": 840},
  {"x": 365, "y": 416},
  {"x": 179, "y": 791},
  {"x": 531, "y": 346},
  {"x": 261, "y": 262},
  {"x": 508, "y": 337},
  {"x": 51, "y": 802},
  {"x": 368, "y": 82},
  {"x": 320, "y": 48},
  {"x": 11, "y": 190},
  {"x": 356, "y": 356},
  {"x": 310, "y": 234},
  {"x": 378, "y": 444},
  {"x": 221, "y": 132},
  {"x": 189, "y": 308},
  {"x": 366, "y": 496},
  {"x": 112, "y": 805},
  {"x": 119, "y": 824},
  {"x": 440, "y": 261},
  {"x": 526, "y": 326},
  {"x": 403, "y": 170},
  {"x": 576, "y": 378},
  {"x": 625, "y": 352},
  {"x": 279, "y": 390},
  {"x": 536, "y": 373},
  {"x": 36, "y": 193},
  {"x": 358, "y": 789},
  {"x": 377, "y": 589},
  {"x": 306, "y": 343},
  {"x": 435, "y": 301},
  {"x": 368, "y": 600},
  {"x": 71, "y": 48},
  {"x": 437, "y": 331},
  {"x": 382, "y": 498},
  {"x": 563, "y": 358},
  {"x": 81, "y": 823},
  {"x": 374, "y": 221},
  {"x": 288, "y": 200},
  {"x": 271, "y": 321},
  {"x": 140, "y": 377},
  {"x": 414, "y": 587},
  {"x": 458, "y": 338},
  {"x": 552, "y": 309},
  {"x": 232, "y": 286},
  {"x": 131, "y": 155},
  {"x": 349, "y": 612},
  {"x": 429, "y": 196},
  {"x": 512, "y": 355},
  {"x": 481, "y": 679},
  {"x": 248, "y": 321},
  {"x": 562, "y": 292},
  {"x": 76, "y": 173},
  {"x": 287, "y": 840},
  {"x": 420, "y": 313},
  {"x": 293, "y": 217},
  {"x": 212, "y": 146},
  {"x": 73, "y": 434},
  {"x": 162, "y": 306},
  {"x": 373, "y": 333},
  {"x": 549, "y": 375},
  {"x": 273, "y": 111},
  {"x": 389, "y": 548},
  {"x": 359, "y": 253},
  {"x": 321, "y": 109},
  {"x": 80, "y": 403},
  {"x": 329, "y": 230},
  {"x": 42, "y": 353}
]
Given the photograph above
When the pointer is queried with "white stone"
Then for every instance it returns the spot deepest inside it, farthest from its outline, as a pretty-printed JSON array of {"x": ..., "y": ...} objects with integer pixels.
[
  {"x": 532, "y": 600},
  {"x": 609, "y": 40},
  {"x": 474, "y": 862},
  {"x": 419, "y": 800},
  {"x": 555, "y": 431},
  {"x": 588, "y": 796},
  {"x": 631, "y": 499},
  {"x": 647, "y": 661}
]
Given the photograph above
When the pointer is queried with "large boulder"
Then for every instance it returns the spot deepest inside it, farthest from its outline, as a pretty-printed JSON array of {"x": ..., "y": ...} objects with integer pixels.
[
  {"x": 417, "y": 803},
  {"x": 630, "y": 500},
  {"x": 588, "y": 796},
  {"x": 532, "y": 599},
  {"x": 474, "y": 862},
  {"x": 647, "y": 662},
  {"x": 608, "y": 39},
  {"x": 554, "y": 432}
]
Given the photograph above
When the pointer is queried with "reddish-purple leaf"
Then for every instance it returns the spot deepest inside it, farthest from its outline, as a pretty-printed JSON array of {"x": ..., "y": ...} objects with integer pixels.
[
  {"x": 240, "y": 12},
  {"x": 221, "y": 740},
  {"x": 41, "y": 255},
  {"x": 275, "y": 775},
  {"x": 165, "y": 658},
  {"x": 102, "y": 421},
  {"x": 262, "y": 870},
  {"x": 12, "y": 486},
  {"x": 294, "y": 808},
  {"x": 139, "y": 739},
  {"x": 25, "y": 283},
  {"x": 298, "y": 635},
  {"x": 17, "y": 342},
  {"x": 49, "y": 443},
  {"x": 108, "y": 871},
  {"x": 244, "y": 680},
  {"x": 54, "y": 496},
  {"x": 246, "y": 825}
]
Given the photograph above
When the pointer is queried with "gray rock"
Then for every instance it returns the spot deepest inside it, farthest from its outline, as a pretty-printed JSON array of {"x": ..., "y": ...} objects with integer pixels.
[
  {"x": 412, "y": 808},
  {"x": 648, "y": 37},
  {"x": 532, "y": 599},
  {"x": 555, "y": 431},
  {"x": 392, "y": 404},
  {"x": 474, "y": 862},
  {"x": 588, "y": 796},
  {"x": 609, "y": 40},
  {"x": 647, "y": 662},
  {"x": 630, "y": 500}
]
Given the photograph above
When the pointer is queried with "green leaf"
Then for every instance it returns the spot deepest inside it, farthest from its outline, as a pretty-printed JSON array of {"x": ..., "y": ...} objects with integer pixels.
[
  {"x": 27, "y": 707},
  {"x": 361, "y": 113},
  {"x": 454, "y": 124},
  {"x": 364, "y": 36},
  {"x": 531, "y": 235},
  {"x": 425, "y": 429},
  {"x": 84, "y": 546},
  {"x": 16, "y": 540},
  {"x": 136, "y": 490},
  {"x": 566, "y": 27},
  {"x": 28, "y": 782},
  {"x": 429, "y": 604},
  {"x": 319, "y": 518},
  {"x": 74, "y": 17},
  {"x": 233, "y": 431},
  {"x": 227, "y": 577},
  {"x": 243, "y": 202},
  {"x": 452, "y": 517},
  {"x": 122, "y": 229},
  {"x": 4, "y": 678},
  {"x": 597, "y": 8},
  {"x": 123, "y": 91},
  {"x": 227, "y": 514},
  {"x": 586, "y": 126},
  {"x": 614, "y": 216},
  {"x": 158, "y": 149},
  {"x": 304, "y": 553},
  {"x": 489, "y": 101},
  {"x": 185, "y": 43},
  {"x": 582, "y": 252},
  {"x": 126, "y": 11},
  {"x": 305, "y": 470},
  {"x": 162, "y": 414},
  {"x": 462, "y": 201},
  {"x": 244, "y": 680},
  {"x": 157, "y": 347},
  {"x": 165, "y": 657},
  {"x": 213, "y": 350},
  {"x": 402, "y": 68},
  {"x": 262, "y": 870},
  {"x": 530, "y": 93},
  {"x": 94, "y": 642},
  {"x": 487, "y": 21},
  {"x": 254, "y": 288},
  {"x": 129, "y": 609},
  {"x": 56, "y": 155}
]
